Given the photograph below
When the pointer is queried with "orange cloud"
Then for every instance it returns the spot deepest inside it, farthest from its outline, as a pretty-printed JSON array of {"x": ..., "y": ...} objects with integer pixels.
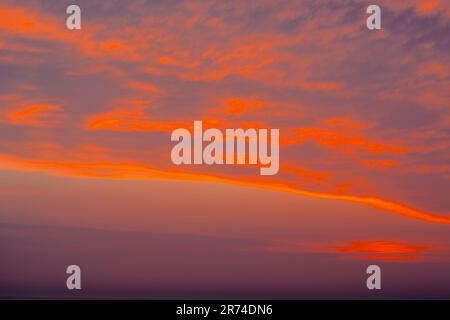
[
  {"x": 25, "y": 22},
  {"x": 346, "y": 135},
  {"x": 306, "y": 173},
  {"x": 434, "y": 68},
  {"x": 383, "y": 250},
  {"x": 344, "y": 140},
  {"x": 238, "y": 106},
  {"x": 366, "y": 250},
  {"x": 379, "y": 247},
  {"x": 127, "y": 120},
  {"x": 380, "y": 164},
  {"x": 43, "y": 116},
  {"x": 435, "y": 100},
  {"x": 112, "y": 45},
  {"x": 234, "y": 106},
  {"x": 144, "y": 86},
  {"x": 428, "y": 6},
  {"x": 22, "y": 21}
]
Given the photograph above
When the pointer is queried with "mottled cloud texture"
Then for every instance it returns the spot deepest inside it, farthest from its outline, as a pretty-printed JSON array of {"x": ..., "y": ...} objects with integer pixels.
[{"x": 364, "y": 115}]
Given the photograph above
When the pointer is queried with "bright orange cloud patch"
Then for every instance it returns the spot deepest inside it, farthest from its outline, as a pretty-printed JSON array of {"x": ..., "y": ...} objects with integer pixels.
[
  {"x": 382, "y": 250},
  {"x": 303, "y": 173},
  {"x": 427, "y": 6},
  {"x": 365, "y": 250},
  {"x": 20, "y": 20},
  {"x": 43, "y": 116},
  {"x": 238, "y": 106},
  {"x": 127, "y": 120},
  {"x": 112, "y": 45},
  {"x": 345, "y": 141},
  {"x": 38, "y": 25},
  {"x": 346, "y": 135}
]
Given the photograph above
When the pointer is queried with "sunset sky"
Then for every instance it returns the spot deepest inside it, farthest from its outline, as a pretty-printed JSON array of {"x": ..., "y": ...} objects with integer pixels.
[{"x": 86, "y": 117}]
